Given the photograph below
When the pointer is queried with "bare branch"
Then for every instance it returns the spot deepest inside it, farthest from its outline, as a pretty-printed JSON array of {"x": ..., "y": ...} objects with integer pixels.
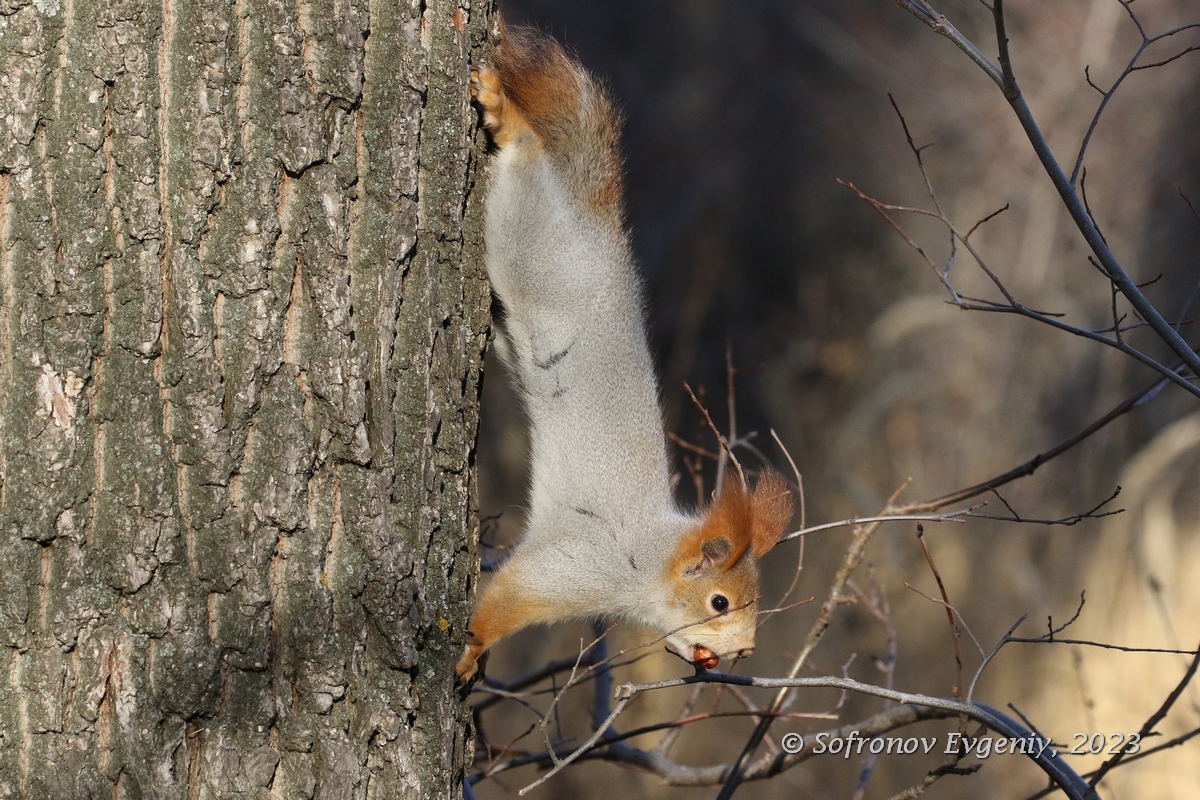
[
  {"x": 1005, "y": 78},
  {"x": 1104, "y": 645},
  {"x": 937, "y": 21},
  {"x": 990, "y": 655},
  {"x": 686, "y": 445},
  {"x": 796, "y": 472},
  {"x": 1013, "y": 306},
  {"x": 1183, "y": 312},
  {"x": 1048, "y": 760},
  {"x": 1168, "y": 60},
  {"x": 877, "y": 605},
  {"x": 949, "y": 768},
  {"x": 1178, "y": 740},
  {"x": 985, "y": 220},
  {"x": 1029, "y": 467},
  {"x": 501, "y": 690},
  {"x": 1154, "y": 719},
  {"x": 731, "y": 410}
]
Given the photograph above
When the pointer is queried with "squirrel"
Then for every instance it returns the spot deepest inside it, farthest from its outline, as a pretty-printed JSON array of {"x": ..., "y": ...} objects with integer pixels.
[{"x": 604, "y": 536}]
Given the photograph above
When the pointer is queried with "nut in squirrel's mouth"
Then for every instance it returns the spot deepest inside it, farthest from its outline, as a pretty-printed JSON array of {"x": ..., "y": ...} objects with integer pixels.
[
  {"x": 696, "y": 654},
  {"x": 703, "y": 657}
]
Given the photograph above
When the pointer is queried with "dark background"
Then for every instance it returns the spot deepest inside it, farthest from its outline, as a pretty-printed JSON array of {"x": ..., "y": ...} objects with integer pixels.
[{"x": 740, "y": 120}]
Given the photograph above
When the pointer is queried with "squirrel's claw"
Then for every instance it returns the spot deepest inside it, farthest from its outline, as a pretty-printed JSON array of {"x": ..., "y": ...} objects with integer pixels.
[
  {"x": 471, "y": 665},
  {"x": 485, "y": 88}
]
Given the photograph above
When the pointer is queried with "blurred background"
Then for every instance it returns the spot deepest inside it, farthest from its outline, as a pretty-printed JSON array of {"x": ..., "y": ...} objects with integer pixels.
[{"x": 741, "y": 118}]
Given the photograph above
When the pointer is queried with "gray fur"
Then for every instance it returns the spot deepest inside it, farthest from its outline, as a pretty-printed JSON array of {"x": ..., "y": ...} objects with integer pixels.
[{"x": 600, "y": 497}]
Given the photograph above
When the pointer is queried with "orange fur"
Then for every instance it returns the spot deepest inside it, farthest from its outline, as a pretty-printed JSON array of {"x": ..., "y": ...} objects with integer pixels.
[
  {"x": 729, "y": 517},
  {"x": 771, "y": 512},
  {"x": 500, "y": 115},
  {"x": 753, "y": 521},
  {"x": 533, "y": 86},
  {"x": 505, "y": 607},
  {"x": 538, "y": 77}
]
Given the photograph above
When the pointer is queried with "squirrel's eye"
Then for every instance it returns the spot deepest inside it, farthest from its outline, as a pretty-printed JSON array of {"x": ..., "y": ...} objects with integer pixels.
[{"x": 719, "y": 602}]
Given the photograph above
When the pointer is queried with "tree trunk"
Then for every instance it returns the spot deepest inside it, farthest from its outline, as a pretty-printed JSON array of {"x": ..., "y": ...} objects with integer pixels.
[{"x": 241, "y": 330}]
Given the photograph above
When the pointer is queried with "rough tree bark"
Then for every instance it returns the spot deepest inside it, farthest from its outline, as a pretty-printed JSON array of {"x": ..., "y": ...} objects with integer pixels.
[{"x": 241, "y": 326}]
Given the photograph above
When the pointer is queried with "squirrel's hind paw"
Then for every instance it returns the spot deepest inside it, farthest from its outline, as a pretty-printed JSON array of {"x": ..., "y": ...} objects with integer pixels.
[
  {"x": 501, "y": 116},
  {"x": 485, "y": 88}
]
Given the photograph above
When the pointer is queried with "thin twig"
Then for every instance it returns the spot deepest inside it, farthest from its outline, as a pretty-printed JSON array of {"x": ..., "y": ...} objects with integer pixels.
[
  {"x": 951, "y": 609},
  {"x": 877, "y": 605},
  {"x": 955, "y": 634},
  {"x": 952, "y": 516},
  {"x": 716, "y": 432},
  {"x": 1135, "y": 400},
  {"x": 803, "y": 513},
  {"x": 1153, "y": 721}
]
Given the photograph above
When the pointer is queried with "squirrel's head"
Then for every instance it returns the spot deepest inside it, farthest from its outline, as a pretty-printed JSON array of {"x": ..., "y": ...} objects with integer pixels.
[{"x": 714, "y": 573}]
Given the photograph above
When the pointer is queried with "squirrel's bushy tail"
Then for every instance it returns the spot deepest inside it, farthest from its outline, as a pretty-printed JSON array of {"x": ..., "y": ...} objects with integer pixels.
[{"x": 569, "y": 110}]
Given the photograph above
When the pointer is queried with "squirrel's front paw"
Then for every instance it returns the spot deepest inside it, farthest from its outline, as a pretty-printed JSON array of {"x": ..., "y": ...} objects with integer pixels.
[{"x": 474, "y": 659}]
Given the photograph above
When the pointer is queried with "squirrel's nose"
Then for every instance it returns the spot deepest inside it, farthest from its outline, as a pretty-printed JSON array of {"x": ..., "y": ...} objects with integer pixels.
[{"x": 745, "y": 651}]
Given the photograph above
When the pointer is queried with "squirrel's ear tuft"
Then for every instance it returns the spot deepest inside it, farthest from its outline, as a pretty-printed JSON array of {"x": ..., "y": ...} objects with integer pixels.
[
  {"x": 738, "y": 521},
  {"x": 718, "y": 542},
  {"x": 771, "y": 511}
]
